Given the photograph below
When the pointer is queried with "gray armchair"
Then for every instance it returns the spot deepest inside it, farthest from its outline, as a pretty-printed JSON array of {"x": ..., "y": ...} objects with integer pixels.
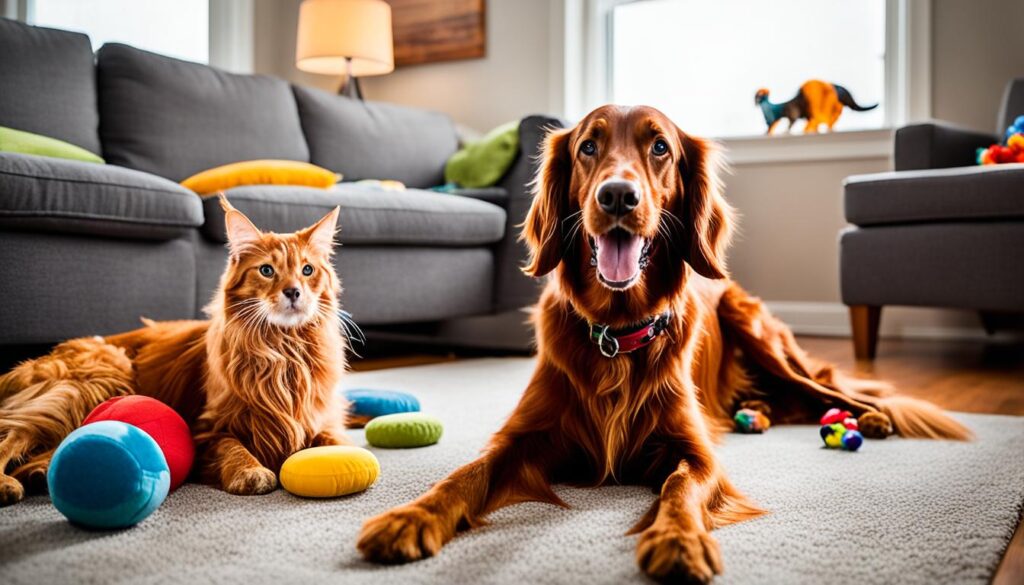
[{"x": 939, "y": 231}]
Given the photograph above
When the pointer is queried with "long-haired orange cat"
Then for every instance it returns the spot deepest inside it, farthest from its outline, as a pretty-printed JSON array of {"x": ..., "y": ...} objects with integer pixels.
[{"x": 256, "y": 382}]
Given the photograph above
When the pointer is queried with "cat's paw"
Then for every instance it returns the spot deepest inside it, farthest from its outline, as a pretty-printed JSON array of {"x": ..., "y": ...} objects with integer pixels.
[
  {"x": 875, "y": 425},
  {"x": 251, "y": 481},
  {"x": 11, "y": 491}
]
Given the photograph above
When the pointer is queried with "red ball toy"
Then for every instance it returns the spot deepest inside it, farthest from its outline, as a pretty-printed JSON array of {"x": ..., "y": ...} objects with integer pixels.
[{"x": 160, "y": 422}]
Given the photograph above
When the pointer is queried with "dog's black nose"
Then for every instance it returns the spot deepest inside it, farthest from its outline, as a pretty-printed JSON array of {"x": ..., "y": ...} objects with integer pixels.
[
  {"x": 618, "y": 197},
  {"x": 292, "y": 294}
]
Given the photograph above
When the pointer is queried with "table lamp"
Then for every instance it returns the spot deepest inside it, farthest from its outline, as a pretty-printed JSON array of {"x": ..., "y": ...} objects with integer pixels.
[{"x": 345, "y": 37}]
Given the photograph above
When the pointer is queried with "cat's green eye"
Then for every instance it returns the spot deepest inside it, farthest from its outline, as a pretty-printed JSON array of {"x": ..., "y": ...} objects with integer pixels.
[
  {"x": 267, "y": 270},
  {"x": 307, "y": 270}
]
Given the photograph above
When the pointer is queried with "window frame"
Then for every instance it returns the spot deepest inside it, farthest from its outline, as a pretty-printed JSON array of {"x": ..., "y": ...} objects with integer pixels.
[
  {"x": 587, "y": 59},
  {"x": 231, "y": 31}
]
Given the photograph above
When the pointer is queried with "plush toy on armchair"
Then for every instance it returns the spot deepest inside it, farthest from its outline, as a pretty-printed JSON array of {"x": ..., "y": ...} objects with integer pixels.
[{"x": 1011, "y": 152}]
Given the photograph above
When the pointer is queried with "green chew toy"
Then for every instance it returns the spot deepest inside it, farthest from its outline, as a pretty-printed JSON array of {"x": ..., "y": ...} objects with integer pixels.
[{"x": 402, "y": 430}]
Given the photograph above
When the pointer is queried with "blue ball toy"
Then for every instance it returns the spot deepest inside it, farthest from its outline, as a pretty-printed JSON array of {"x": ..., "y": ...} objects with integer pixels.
[
  {"x": 852, "y": 440},
  {"x": 368, "y": 404},
  {"x": 108, "y": 474}
]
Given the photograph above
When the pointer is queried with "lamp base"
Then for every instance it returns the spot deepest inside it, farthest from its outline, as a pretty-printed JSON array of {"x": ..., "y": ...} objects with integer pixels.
[{"x": 350, "y": 88}]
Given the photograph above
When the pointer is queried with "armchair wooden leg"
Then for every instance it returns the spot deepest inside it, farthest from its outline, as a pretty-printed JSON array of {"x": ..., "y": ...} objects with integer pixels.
[{"x": 864, "y": 321}]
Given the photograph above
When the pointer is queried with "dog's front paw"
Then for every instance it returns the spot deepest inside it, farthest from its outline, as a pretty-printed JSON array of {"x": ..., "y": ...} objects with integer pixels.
[
  {"x": 251, "y": 481},
  {"x": 408, "y": 533},
  {"x": 11, "y": 491},
  {"x": 673, "y": 555},
  {"x": 875, "y": 425}
]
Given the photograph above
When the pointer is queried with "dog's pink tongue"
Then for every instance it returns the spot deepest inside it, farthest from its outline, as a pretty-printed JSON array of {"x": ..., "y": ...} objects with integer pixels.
[{"x": 618, "y": 255}]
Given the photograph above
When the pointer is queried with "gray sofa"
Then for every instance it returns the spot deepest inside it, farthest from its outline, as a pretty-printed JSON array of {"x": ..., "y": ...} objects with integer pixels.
[
  {"x": 88, "y": 249},
  {"x": 940, "y": 231}
]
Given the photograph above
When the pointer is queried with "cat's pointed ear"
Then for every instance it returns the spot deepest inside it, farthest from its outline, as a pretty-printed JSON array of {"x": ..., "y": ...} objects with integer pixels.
[
  {"x": 321, "y": 234},
  {"x": 241, "y": 232}
]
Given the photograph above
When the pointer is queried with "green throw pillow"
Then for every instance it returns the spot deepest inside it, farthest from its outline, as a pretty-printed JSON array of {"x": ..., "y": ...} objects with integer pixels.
[
  {"x": 21, "y": 142},
  {"x": 484, "y": 163}
]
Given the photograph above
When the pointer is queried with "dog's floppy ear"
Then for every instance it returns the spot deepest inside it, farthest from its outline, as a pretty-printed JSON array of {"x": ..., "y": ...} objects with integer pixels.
[
  {"x": 542, "y": 230},
  {"x": 707, "y": 217}
]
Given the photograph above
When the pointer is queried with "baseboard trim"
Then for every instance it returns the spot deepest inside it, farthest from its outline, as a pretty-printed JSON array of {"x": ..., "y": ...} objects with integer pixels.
[{"x": 832, "y": 320}]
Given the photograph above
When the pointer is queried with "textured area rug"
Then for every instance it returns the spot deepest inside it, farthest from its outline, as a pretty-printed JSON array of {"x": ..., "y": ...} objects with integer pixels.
[{"x": 898, "y": 511}]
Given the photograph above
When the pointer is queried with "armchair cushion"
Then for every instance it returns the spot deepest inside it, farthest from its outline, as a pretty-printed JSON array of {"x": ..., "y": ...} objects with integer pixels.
[{"x": 958, "y": 194}]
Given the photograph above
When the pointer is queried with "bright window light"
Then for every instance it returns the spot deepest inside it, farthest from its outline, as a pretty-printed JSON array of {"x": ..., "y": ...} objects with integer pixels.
[
  {"x": 177, "y": 28},
  {"x": 702, "y": 62}
]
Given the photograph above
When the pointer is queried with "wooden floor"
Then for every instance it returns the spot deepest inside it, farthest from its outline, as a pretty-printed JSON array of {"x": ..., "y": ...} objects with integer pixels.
[{"x": 966, "y": 376}]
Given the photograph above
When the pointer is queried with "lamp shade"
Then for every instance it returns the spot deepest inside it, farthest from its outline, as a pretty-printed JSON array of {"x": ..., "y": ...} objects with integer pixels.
[{"x": 332, "y": 31}]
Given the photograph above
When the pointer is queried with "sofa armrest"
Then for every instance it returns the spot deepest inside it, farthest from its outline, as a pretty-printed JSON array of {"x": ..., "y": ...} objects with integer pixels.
[
  {"x": 936, "y": 145},
  {"x": 512, "y": 289}
]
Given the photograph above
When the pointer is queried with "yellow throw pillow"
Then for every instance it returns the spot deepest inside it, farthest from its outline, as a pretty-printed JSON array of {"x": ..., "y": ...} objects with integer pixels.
[{"x": 260, "y": 172}]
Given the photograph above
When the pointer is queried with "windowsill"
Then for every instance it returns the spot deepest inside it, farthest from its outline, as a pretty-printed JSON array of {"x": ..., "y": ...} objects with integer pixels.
[{"x": 849, "y": 145}]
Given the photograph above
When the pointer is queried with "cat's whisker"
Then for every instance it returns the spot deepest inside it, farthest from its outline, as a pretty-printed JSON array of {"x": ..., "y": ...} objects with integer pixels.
[{"x": 352, "y": 329}]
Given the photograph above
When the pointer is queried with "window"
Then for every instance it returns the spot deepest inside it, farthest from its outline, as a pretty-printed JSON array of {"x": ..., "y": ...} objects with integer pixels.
[
  {"x": 177, "y": 28},
  {"x": 702, "y": 62}
]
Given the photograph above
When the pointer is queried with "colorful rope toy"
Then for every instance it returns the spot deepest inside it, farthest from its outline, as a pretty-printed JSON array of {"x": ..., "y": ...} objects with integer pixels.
[
  {"x": 751, "y": 421},
  {"x": 839, "y": 430}
]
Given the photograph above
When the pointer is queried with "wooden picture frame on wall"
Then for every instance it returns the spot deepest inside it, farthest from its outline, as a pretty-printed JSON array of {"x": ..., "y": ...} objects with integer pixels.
[{"x": 430, "y": 31}]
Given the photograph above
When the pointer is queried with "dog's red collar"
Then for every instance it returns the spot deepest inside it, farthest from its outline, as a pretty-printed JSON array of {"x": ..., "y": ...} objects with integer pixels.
[{"x": 612, "y": 343}]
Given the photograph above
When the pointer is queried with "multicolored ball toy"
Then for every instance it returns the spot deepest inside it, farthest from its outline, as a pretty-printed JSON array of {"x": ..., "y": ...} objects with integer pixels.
[
  {"x": 751, "y": 421},
  {"x": 839, "y": 430}
]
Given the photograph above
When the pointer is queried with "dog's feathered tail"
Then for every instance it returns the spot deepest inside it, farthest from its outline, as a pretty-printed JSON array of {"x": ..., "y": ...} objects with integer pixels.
[
  {"x": 807, "y": 387},
  {"x": 915, "y": 418},
  {"x": 44, "y": 399}
]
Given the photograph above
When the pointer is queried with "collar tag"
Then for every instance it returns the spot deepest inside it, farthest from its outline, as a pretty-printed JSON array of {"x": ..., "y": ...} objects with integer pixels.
[
  {"x": 628, "y": 341},
  {"x": 607, "y": 344}
]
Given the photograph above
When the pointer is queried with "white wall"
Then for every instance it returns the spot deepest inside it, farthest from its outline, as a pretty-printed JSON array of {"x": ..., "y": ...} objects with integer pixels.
[
  {"x": 791, "y": 212},
  {"x": 513, "y": 78}
]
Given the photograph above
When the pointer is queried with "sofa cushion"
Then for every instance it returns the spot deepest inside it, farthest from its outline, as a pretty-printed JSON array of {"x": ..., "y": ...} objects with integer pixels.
[
  {"x": 57, "y": 195},
  {"x": 495, "y": 195},
  {"x": 48, "y": 84},
  {"x": 963, "y": 193},
  {"x": 368, "y": 215},
  {"x": 368, "y": 140},
  {"x": 174, "y": 118}
]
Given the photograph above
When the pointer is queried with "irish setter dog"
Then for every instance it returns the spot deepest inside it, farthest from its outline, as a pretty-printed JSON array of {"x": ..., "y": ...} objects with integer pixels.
[{"x": 645, "y": 350}]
